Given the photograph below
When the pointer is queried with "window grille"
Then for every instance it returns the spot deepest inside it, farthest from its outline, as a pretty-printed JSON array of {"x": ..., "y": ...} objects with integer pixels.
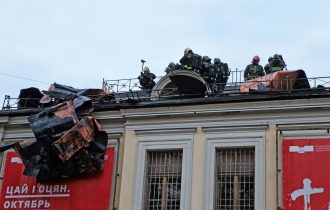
[
  {"x": 163, "y": 185},
  {"x": 235, "y": 179}
]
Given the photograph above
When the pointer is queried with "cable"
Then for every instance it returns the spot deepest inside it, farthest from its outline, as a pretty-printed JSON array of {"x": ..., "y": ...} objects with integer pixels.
[{"x": 15, "y": 76}]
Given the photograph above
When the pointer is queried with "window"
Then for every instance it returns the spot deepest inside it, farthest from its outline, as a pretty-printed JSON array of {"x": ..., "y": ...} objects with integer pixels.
[
  {"x": 163, "y": 159},
  {"x": 235, "y": 174},
  {"x": 235, "y": 168},
  {"x": 163, "y": 184}
]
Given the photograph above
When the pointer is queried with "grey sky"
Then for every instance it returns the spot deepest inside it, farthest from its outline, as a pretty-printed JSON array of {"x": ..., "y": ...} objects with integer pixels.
[{"x": 79, "y": 43}]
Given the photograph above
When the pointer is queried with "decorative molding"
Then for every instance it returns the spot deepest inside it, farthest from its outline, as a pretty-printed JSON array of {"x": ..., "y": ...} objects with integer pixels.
[
  {"x": 114, "y": 135},
  {"x": 19, "y": 134},
  {"x": 304, "y": 126},
  {"x": 3, "y": 120},
  {"x": 299, "y": 134},
  {"x": 231, "y": 120},
  {"x": 2, "y": 128},
  {"x": 169, "y": 133},
  {"x": 243, "y": 107},
  {"x": 114, "y": 143},
  {"x": 224, "y": 129},
  {"x": 108, "y": 115}
]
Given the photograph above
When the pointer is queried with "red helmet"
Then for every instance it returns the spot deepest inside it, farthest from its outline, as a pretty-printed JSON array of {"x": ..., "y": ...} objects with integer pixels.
[{"x": 256, "y": 58}]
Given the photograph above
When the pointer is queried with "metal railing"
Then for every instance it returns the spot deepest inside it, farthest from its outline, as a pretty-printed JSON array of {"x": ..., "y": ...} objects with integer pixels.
[
  {"x": 9, "y": 103},
  {"x": 130, "y": 89},
  {"x": 124, "y": 85}
]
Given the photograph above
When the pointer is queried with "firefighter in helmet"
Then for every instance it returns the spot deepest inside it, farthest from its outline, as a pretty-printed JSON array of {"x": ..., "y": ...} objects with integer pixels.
[
  {"x": 146, "y": 79},
  {"x": 172, "y": 67},
  {"x": 277, "y": 63},
  {"x": 191, "y": 61},
  {"x": 222, "y": 74},
  {"x": 207, "y": 69},
  {"x": 268, "y": 66},
  {"x": 254, "y": 70}
]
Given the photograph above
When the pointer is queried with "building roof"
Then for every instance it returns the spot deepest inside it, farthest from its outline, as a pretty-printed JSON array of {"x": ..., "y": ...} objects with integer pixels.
[{"x": 225, "y": 98}]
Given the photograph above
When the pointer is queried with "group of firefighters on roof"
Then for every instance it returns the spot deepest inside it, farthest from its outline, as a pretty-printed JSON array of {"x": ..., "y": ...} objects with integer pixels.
[
  {"x": 254, "y": 70},
  {"x": 216, "y": 72}
]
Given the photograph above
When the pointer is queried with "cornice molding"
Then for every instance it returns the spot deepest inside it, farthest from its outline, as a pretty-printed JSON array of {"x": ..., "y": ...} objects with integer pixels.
[
  {"x": 210, "y": 130},
  {"x": 229, "y": 121},
  {"x": 3, "y": 120},
  {"x": 164, "y": 131},
  {"x": 242, "y": 107}
]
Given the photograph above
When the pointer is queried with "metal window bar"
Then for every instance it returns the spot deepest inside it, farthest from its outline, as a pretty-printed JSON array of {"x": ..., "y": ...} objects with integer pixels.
[
  {"x": 163, "y": 184},
  {"x": 235, "y": 184}
]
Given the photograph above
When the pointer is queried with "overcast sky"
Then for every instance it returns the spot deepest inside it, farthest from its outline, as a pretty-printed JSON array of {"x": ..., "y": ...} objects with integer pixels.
[{"x": 80, "y": 42}]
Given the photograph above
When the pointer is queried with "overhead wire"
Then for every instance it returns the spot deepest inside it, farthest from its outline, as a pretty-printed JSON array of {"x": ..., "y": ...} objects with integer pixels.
[{"x": 25, "y": 78}]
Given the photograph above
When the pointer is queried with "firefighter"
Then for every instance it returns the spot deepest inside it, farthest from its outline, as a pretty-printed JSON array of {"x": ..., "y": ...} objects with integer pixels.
[
  {"x": 172, "y": 67},
  {"x": 267, "y": 66},
  {"x": 207, "y": 70},
  {"x": 186, "y": 60},
  {"x": 222, "y": 74},
  {"x": 191, "y": 61},
  {"x": 254, "y": 70},
  {"x": 146, "y": 79},
  {"x": 277, "y": 63}
]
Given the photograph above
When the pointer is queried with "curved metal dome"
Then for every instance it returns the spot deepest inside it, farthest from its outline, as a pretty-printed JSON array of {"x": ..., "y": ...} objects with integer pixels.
[{"x": 181, "y": 83}]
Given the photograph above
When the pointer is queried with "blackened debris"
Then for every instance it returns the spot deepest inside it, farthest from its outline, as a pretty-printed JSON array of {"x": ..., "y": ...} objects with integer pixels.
[
  {"x": 53, "y": 122},
  {"x": 64, "y": 147},
  {"x": 79, "y": 136},
  {"x": 83, "y": 105},
  {"x": 35, "y": 157},
  {"x": 6, "y": 147},
  {"x": 97, "y": 95},
  {"x": 42, "y": 162},
  {"x": 29, "y": 98},
  {"x": 58, "y": 93}
]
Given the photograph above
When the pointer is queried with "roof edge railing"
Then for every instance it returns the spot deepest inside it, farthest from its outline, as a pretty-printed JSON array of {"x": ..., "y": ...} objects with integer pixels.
[{"x": 125, "y": 89}]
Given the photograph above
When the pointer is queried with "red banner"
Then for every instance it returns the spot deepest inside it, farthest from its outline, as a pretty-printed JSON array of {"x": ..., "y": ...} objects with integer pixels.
[
  {"x": 22, "y": 192},
  {"x": 306, "y": 174}
]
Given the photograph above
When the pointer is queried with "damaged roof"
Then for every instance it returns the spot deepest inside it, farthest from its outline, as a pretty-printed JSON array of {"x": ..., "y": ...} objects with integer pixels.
[{"x": 69, "y": 142}]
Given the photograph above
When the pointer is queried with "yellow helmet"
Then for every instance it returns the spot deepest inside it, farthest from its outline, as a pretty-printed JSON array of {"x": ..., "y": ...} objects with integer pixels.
[
  {"x": 146, "y": 69},
  {"x": 187, "y": 50}
]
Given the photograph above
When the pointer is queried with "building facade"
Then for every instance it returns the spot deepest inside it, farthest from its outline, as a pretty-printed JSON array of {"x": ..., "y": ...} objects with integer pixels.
[{"x": 209, "y": 155}]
